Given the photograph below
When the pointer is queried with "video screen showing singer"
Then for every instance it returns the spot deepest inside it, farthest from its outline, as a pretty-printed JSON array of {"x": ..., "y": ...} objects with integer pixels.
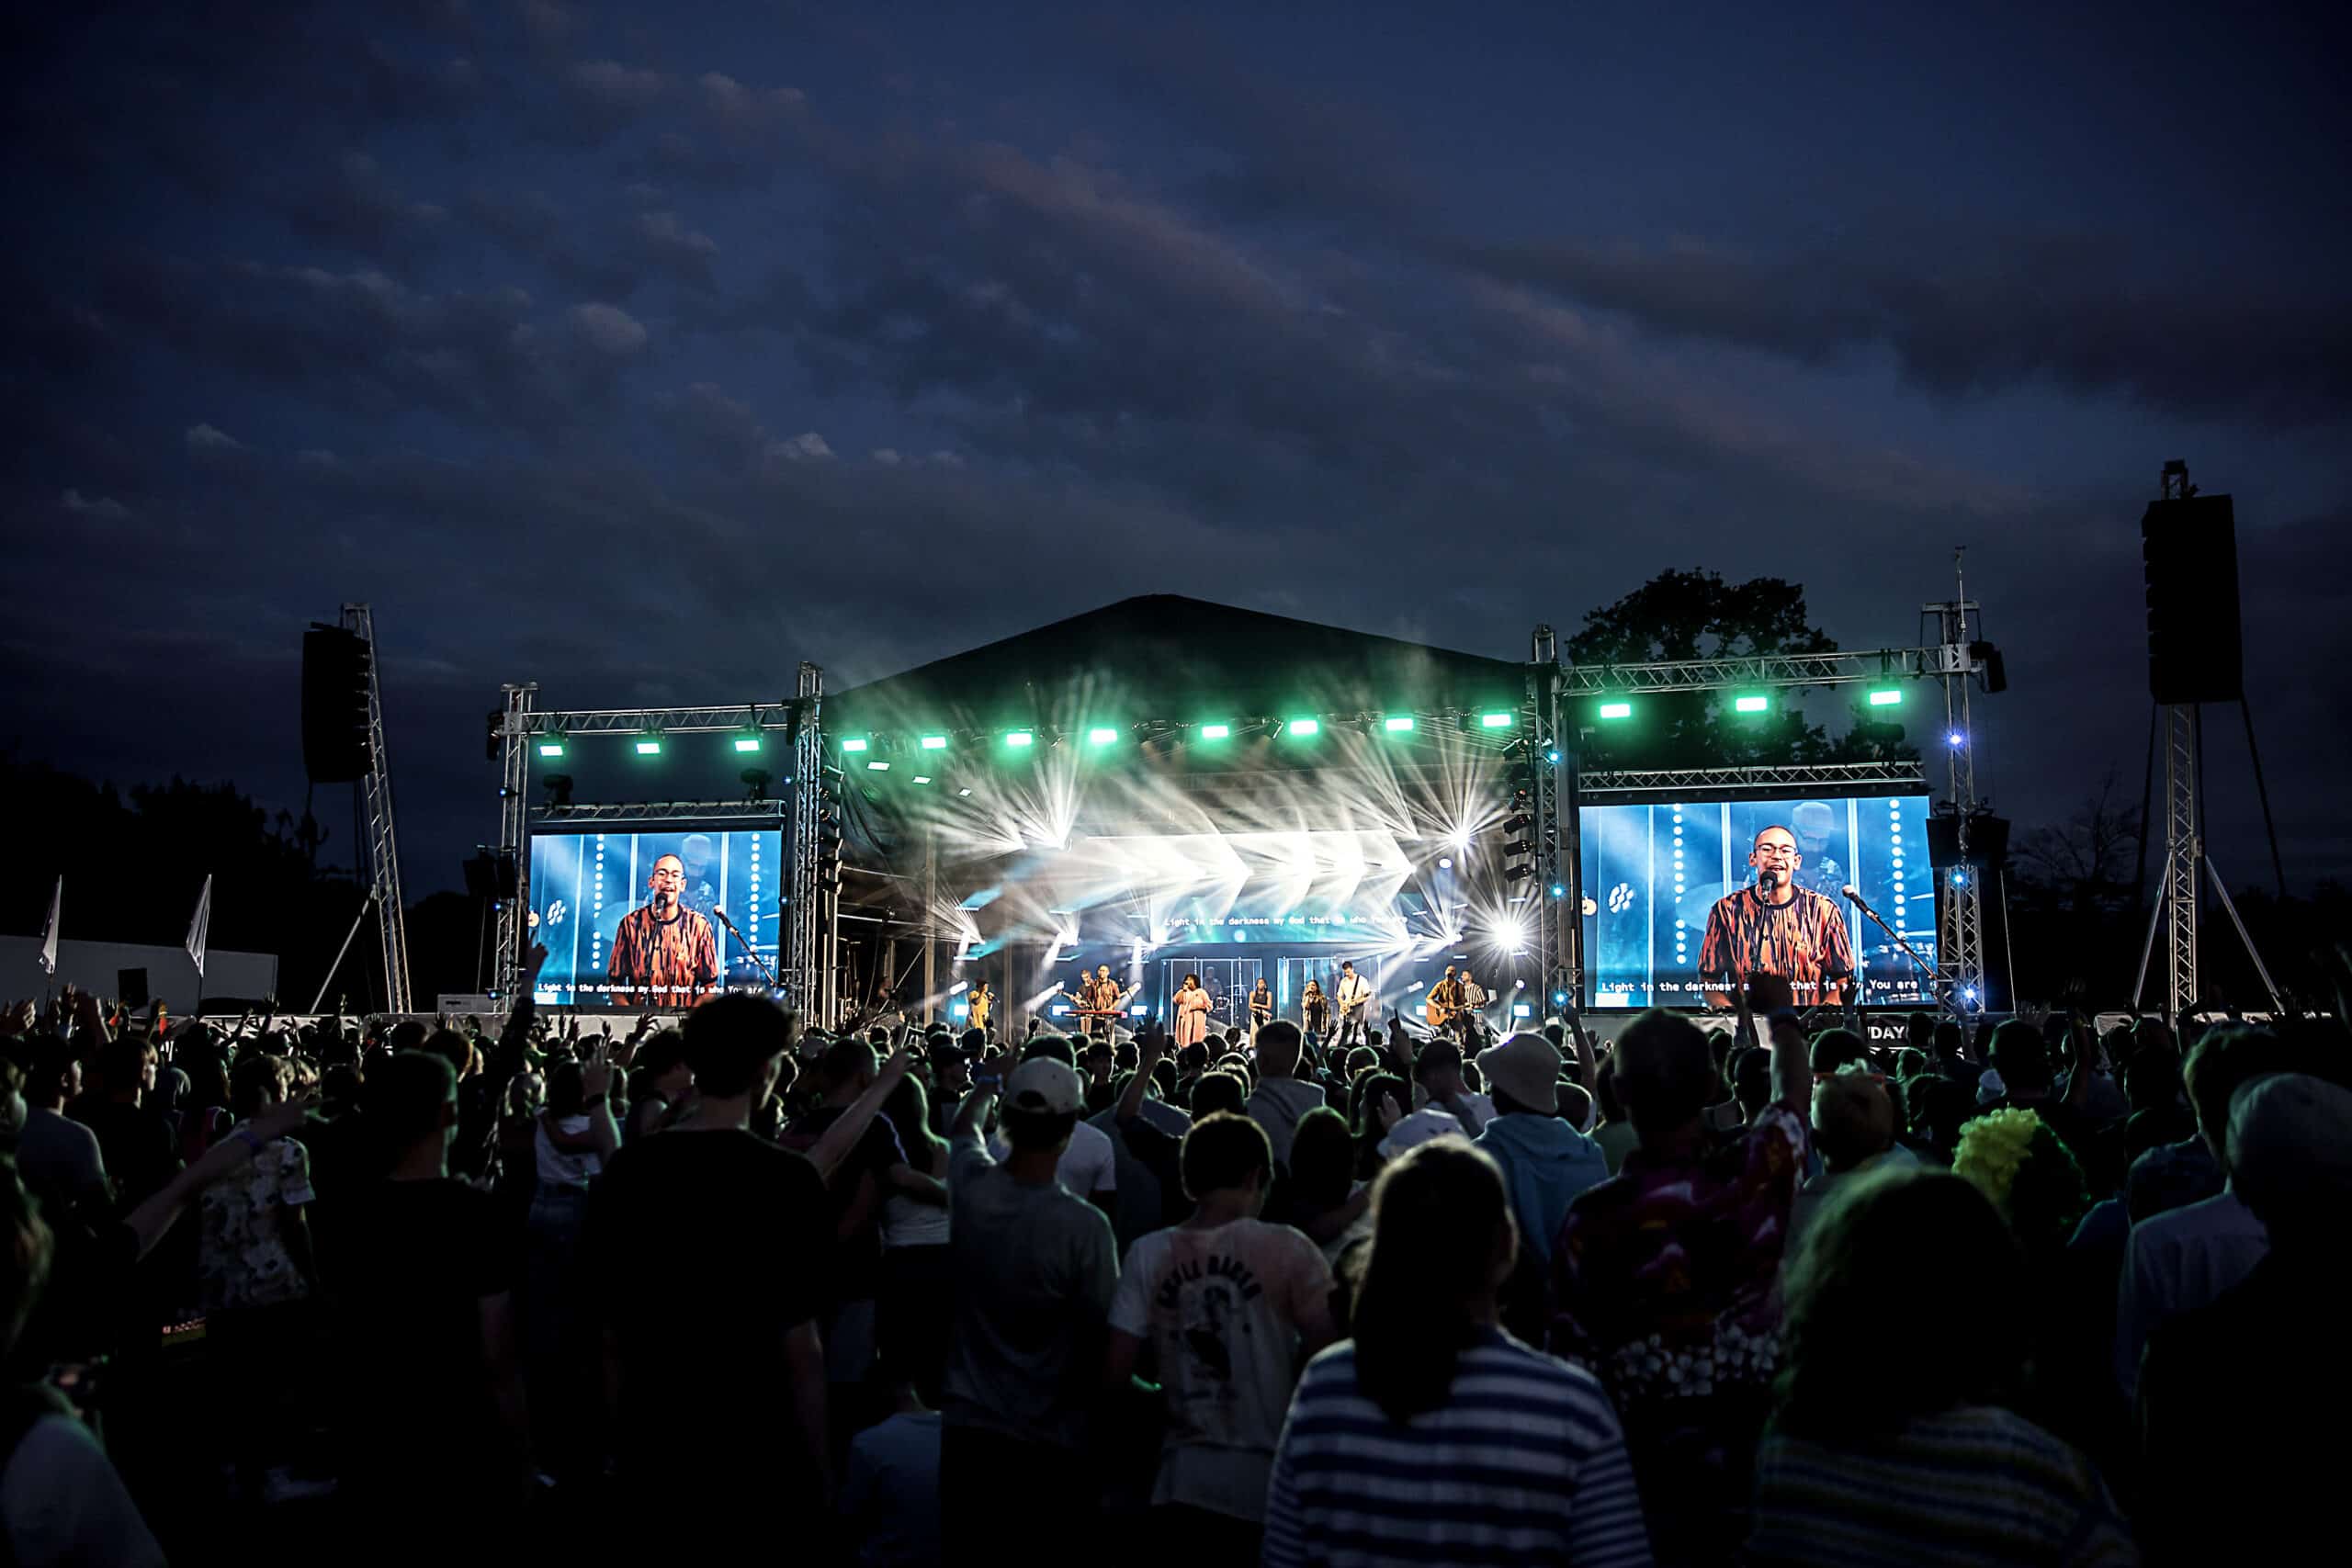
[
  {"x": 1778, "y": 927},
  {"x": 665, "y": 954}
]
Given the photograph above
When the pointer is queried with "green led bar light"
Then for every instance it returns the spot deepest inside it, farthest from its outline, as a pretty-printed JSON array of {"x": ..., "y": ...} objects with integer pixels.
[
  {"x": 920, "y": 778},
  {"x": 1101, "y": 736},
  {"x": 935, "y": 743},
  {"x": 1305, "y": 726},
  {"x": 877, "y": 767},
  {"x": 1886, "y": 698},
  {"x": 1021, "y": 738},
  {"x": 550, "y": 747},
  {"x": 747, "y": 743},
  {"x": 1750, "y": 705},
  {"x": 647, "y": 747},
  {"x": 854, "y": 743},
  {"x": 1495, "y": 721},
  {"x": 1397, "y": 723},
  {"x": 1217, "y": 732},
  {"x": 1616, "y": 710}
]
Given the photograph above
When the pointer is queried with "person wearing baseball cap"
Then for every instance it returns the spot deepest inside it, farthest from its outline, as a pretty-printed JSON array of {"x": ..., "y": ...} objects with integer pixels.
[
  {"x": 1545, "y": 1162},
  {"x": 1035, "y": 1269}
]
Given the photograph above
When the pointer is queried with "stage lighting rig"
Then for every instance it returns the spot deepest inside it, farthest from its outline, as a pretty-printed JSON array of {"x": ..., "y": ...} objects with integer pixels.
[{"x": 755, "y": 784}]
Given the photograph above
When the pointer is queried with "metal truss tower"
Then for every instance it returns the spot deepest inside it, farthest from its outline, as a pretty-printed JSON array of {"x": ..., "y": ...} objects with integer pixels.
[
  {"x": 1557, "y": 890},
  {"x": 1960, "y": 933},
  {"x": 804, "y": 927},
  {"x": 514, "y": 775},
  {"x": 383, "y": 868}
]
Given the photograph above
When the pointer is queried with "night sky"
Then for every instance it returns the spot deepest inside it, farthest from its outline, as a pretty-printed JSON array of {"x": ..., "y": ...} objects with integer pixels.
[{"x": 644, "y": 356}]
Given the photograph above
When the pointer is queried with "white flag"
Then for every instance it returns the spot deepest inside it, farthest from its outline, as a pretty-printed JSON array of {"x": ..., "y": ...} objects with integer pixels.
[
  {"x": 198, "y": 926},
  {"x": 49, "y": 932}
]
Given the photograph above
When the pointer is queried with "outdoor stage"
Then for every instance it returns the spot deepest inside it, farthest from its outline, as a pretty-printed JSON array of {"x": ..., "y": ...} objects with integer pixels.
[{"x": 1167, "y": 788}]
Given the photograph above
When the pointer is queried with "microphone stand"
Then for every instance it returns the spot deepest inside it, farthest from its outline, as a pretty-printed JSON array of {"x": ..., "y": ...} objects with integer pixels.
[
  {"x": 749, "y": 951},
  {"x": 1908, "y": 951}
]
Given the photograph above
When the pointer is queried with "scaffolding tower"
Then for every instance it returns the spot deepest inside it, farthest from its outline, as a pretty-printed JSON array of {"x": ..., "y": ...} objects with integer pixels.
[{"x": 382, "y": 848}]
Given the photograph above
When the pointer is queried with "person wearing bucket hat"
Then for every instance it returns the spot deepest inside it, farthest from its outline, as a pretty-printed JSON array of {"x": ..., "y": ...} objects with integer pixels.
[{"x": 1545, "y": 1162}]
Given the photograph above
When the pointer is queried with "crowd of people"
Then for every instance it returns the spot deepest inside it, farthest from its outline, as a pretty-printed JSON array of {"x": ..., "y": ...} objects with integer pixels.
[{"x": 1746, "y": 1290}]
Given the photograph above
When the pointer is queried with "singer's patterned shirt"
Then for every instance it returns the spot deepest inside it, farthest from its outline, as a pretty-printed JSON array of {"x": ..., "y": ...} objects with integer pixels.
[
  {"x": 659, "y": 962},
  {"x": 1803, "y": 940}
]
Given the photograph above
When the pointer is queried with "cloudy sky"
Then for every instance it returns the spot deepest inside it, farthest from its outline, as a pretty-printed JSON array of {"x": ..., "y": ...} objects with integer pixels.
[{"x": 646, "y": 357}]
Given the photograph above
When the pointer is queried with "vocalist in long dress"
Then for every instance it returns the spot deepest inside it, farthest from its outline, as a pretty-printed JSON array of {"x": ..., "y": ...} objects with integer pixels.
[{"x": 1192, "y": 1012}]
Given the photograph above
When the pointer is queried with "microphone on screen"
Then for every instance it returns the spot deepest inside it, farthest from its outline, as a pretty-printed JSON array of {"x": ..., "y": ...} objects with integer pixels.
[
  {"x": 720, "y": 910},
  {"x": 1854, "y": 896}
]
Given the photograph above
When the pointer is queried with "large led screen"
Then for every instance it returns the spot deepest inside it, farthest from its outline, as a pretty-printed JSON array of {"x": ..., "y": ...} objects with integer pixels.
[
  {"x": 594, "y": 897},
  {"x": 1653, "y": 873}
]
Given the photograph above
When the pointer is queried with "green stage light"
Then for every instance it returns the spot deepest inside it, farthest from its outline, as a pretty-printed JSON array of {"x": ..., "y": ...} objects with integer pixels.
[
  {"x": 854, "y": 743},
  {"x": 1398, "y": 723},
  {"x": 747, "y": 743},
  {"x": 1101, "y": 736},
  {"x": 1305, "y": 726},
  {"x": 1750, "y": 705},
  {"x": 920, "y": 778},
  {"x": 877, "y": 767},
  {"x": 1021, "y": 738},
  {"x": 1616, "y": 710},
  {"x": 1217, "y": 732},
  {"x": 1885, "y": 698},
  {"x": 935, "y": 743},
  {"x": 649, "y": 747},
  {"x": 1495, "y": 721},
  {"x": 550, "y": 747}
]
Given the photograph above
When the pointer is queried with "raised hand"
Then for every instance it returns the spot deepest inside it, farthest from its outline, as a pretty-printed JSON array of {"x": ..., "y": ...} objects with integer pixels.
[
  {"x": 596, "y": 1077},
  {"x": 286, "y": 1116},
  {"x": 534, "y": 957}
]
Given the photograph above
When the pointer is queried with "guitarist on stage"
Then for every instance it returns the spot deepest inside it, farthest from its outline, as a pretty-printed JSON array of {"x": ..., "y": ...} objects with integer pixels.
[
  {"x": 1354, "y": 1001},
  {"x": 1445, "y": 1002}
]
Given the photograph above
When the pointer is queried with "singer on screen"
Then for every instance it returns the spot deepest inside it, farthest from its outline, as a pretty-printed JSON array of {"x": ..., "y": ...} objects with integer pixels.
[
  {"x": 1778, "y": 927},
  {"x": 663, "y": 954}
]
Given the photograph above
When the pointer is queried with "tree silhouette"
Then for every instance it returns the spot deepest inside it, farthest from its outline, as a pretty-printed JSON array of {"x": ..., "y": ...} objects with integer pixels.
[{"x": 1683, "y": 614}]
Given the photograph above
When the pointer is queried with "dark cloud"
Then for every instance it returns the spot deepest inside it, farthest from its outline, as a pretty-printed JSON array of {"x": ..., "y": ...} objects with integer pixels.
[
  {"x": 612, "y": 252},
  {"x": 1288, "y": 148},
  {"x": 368, "y": 343},
  {"x": 2080, "y": 314},
  {"x": 355, "y": 208}
]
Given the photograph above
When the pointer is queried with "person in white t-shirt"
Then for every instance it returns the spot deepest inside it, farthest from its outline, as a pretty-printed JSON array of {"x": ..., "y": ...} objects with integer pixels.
[
  {"x": 1231, "y": 1307},
  {"x": 1088, "y": 1166}
]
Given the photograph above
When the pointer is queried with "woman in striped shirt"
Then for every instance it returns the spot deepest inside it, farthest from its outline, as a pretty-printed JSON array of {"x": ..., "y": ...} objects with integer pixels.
[{"x": 1432, "y": 1436}]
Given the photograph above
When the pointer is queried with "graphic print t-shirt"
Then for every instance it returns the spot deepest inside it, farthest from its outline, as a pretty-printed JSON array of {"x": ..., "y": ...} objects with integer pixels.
[
  {"x": 1221, "y": 1308},
  {"x": 1803, "y": 940}
]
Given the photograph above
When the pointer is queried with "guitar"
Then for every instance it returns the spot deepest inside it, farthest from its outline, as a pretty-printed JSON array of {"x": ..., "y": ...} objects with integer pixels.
[{"x": 1438, "y": 1014}]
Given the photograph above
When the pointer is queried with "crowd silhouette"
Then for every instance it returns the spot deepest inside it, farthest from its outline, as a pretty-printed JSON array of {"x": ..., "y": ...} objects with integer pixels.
[{"x": 1741, "y": 1290}]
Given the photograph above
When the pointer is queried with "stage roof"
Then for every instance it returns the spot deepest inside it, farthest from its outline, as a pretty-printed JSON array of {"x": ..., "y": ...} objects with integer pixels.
[{"x": 1163, "y": 656}]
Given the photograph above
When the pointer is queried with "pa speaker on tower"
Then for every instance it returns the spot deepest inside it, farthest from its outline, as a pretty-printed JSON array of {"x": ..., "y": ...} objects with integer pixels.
[
  {"x": 334, "y": 704},
  {"x": 2189, "y": 548}
]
